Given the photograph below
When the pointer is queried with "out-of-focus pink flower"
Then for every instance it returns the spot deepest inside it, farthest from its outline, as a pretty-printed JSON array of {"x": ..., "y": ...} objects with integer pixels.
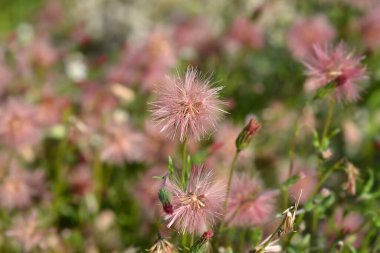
[
  {"x": 159, "y": 58},
  {"x": 21, "y": 186},
  {"x": 306, "y": 183},
  {"x": 224, "y": 145},
  {"x": 51, "y": 15},
  {"x": 97, "y": 100},
  {"x": 198, "y": 206},
  {"x": 352, "y": 135},
  {"x": 193, "y": 34},
  {"x": 146, "y": 191},
  {"x": 247, "y": 204},
  {"x": 121, "y": 144},
  {"x": 336, "y": 65},
  {"x": 27, "y": 231},
  {"x": 6, "y": 75},
  {"x": 15, "y": 192},
  {"x": 80, "y": 179},
  {"x": 145, "y": 65},
  {"x": 51, "y": 108},
  {"x": 188, "y": 107},
  {"x": 160, "y": 147},
  {"x": 347, "y": 224},
  {"x": 362, "y": 4},
  {"x": 245, "y": 33},
  {"x": 369, "y": 27},
  {"x": 307, "y": 32},
  {"x": 43, "y": 52},
  {"x": 18, "y": 125}
]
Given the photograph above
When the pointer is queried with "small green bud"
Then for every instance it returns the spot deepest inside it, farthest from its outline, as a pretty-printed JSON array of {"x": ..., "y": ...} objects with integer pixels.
[
  {"x": 200, "y": 245},
  {"x": 164, "y": 197},
  {"x": 246, "y": 135}
]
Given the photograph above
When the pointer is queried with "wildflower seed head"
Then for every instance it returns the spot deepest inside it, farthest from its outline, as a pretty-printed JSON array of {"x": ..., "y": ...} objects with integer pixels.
[
  {"x": 338, "y": 67},
  {"x": 161, "y": 246},
  {"x": 352, "y": 176},
  {"x": 195, "y": 208},
  {"x": 187, "y": 106}
]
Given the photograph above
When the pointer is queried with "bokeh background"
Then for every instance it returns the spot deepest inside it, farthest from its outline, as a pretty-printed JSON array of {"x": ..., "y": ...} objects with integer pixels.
[{"x": 78, "y": 149}]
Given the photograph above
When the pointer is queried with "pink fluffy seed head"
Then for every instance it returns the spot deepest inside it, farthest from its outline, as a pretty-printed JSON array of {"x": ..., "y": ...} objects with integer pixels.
[
  {"x": 306, "y": 32},
  {"x": 336, "y": 65},
  {"x": 187, "y": 106},
  {"x": 196, "y": 208},
  {"x": 247, "y": 204}
]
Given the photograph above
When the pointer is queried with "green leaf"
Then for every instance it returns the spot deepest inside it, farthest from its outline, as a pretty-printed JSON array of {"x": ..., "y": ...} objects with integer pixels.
[
  {"x": 368, "y": 186},
  {"x": 290, "y": 181},
  {"x": 334, "y": 132},
  {"x": 350, "y": 248},
  {"x": 171, "y": 168},
  {"x": 324, "y": 91},
  {"x": 188, "y": 169}
]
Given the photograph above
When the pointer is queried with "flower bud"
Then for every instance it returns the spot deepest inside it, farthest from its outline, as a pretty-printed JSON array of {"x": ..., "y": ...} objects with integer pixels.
[
  {"x": 164, "y": 197},
  {"x": 246, "y": 135},
  {"x": 201, "y": 244}
]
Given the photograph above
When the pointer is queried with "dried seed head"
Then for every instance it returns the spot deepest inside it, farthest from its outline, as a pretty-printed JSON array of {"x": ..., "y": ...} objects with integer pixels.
[
  {"x": 326, "y": 154},
  {"x": 161, "y": 246},
  {"x": 352, "y": 175},
  {"x": 289, "y": 218},
  {"x": 325, "y": 192},
  {"x": 272, "y": 247}
]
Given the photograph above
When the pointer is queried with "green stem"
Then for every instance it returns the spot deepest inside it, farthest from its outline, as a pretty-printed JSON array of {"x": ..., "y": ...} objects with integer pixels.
[
  {"x": 223, "y": 223},
  {"x": 316, "y": 190},
  {"x": 276, "y": 232},
  {"x": 329, "y": 119},
  {"x": 293, "y": 148},
  {"x": 98, "y": 169},
  {"x": 184, "y": 147},
  {"x": 232, "y": 169},
  {"x": 314, "y": 221},
  {"x": 377, "y": 242},
  {"x": 184, "y": 242}
]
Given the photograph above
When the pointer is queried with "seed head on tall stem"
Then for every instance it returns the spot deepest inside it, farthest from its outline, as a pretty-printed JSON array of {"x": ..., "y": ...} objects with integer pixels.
[
  {"x": 188, "y": 107},
  {"x": 196, "y": 208}
]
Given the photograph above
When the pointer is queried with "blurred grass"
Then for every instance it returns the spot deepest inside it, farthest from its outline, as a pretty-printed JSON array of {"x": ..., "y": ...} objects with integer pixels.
[{"x": 14, "y": 12}]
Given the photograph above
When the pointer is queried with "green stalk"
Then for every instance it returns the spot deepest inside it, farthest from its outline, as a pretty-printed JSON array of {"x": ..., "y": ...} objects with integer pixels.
[
  {"x": 232, "y": 169},
  {"x": 98, "y": 168},
  {"x": 223, "y": 223},
  {"x": 316, "y": 190},
  {"x": 184, "y": 154},
  {"x": 329, "y": 119},
  {"x": 293, "y": 148}
]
